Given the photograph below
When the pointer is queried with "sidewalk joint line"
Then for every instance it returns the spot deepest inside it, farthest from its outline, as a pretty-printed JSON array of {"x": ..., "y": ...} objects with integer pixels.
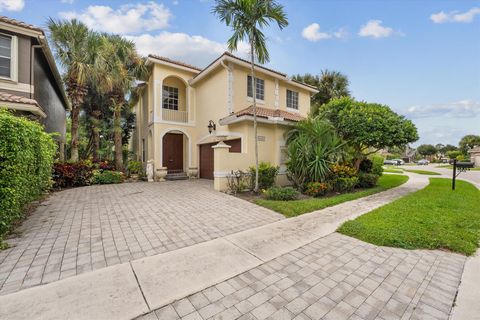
[
  {"x": 139, "y": 286},
  {"x": 244, "y": 250}
]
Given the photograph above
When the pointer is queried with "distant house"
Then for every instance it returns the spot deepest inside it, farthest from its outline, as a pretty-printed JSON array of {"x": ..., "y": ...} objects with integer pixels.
[
  {"x": 30, "y": 83},
  {"x": 198, "y": 122}
]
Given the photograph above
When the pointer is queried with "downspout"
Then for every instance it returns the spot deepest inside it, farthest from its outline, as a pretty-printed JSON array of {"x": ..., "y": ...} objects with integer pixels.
[
  {"x": 32, "y": 62},
  {"x": 229, "y": 81}
]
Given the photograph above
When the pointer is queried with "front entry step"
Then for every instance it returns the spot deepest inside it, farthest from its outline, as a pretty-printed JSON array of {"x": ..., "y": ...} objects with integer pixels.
[{"x": 176, "y": 176}]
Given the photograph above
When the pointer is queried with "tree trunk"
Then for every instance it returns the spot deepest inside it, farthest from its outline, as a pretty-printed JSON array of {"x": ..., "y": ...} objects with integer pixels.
[
  {"x": 254, "y": 109},
  {"x": 95, "y": 134},
  {"x": 117, "y": 137},
  {"x": 74, "y": 132}
]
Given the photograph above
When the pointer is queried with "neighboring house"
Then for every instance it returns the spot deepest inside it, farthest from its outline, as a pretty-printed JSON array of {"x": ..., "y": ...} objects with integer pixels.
[
  {"x": 199, "y": 122},
  {"x": 30, "y": 82},
  {"x": 475, "y": 155}
]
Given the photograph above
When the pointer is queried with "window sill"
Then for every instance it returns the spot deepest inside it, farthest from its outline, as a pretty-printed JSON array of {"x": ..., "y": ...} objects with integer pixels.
[
  {"x": 249, "y": 99},
  {"x": 293, "y": 110}
]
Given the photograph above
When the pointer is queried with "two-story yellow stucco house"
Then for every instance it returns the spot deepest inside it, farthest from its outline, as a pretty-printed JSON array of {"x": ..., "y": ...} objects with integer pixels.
[{"x": 199, "y": 122}]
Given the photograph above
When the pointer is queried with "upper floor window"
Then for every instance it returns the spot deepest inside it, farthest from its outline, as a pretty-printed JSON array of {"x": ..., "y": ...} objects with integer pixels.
[
  {"x": 7, "y": 56},
  {"x": 170, "y": 98},
  {"x": 259, "y": 87},
  {"x": 292, "y": 99}
]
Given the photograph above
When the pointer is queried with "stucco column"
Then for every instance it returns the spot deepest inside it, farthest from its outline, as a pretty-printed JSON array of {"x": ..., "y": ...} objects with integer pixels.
[{"x": 220, "y": 151}]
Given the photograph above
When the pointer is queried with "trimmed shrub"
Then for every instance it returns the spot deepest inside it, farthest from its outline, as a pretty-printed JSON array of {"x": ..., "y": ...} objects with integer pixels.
[
  {"x": 377, "y": 165},
  {"x": 367, "y": 180},
  {"x": 317, "y": 189},
  {"x": 345, "y": 184},
  {"x": 107, "y": 177},
  {"x": 70, "y": 175},
  {"x": 26, "y": 158},
  {"x": 281, "y": 193},
  {"x": 266, "y": 175}
]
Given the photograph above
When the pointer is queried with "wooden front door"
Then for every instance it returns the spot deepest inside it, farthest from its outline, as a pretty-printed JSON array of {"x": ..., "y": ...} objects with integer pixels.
[{"x": 173, "y": 152}]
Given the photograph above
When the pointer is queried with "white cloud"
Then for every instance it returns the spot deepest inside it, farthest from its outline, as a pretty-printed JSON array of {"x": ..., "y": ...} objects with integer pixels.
[
  {"x": 459, "y": 109},
  {"x": 67, "y": 1},
  {"x": 455, "y": 16},
  {"x": 374, "y": 29},
  {"x": 12, "y": 5},
  {"x": 196, "y": 50},
  {"x": 127, "y": 19},
  {"x": 312, "y": 33}
]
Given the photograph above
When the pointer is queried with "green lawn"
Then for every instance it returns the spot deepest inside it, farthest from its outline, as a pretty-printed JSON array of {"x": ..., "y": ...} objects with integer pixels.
[
  {"x": 393, "y": 170},
  {"x": 433, "y": 218},
  {"x": 429, "y": 173},
  {"x": 298, "y": 207}
]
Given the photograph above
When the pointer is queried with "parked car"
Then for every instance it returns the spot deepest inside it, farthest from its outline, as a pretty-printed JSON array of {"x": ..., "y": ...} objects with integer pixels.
[
  {"x": 390, "y": 162},
  {"x": 423, "y": 162},
  {"x": 399, "y": 162}
]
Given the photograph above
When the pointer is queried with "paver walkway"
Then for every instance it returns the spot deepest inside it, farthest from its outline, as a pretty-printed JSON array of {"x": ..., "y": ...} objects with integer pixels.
[
  {"x": 336, "y": 277},
  {"x": 84, "y": 229}
]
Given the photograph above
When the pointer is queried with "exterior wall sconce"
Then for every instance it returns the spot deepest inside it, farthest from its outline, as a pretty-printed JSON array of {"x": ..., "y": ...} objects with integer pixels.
[{"x": 211, "y": 126}]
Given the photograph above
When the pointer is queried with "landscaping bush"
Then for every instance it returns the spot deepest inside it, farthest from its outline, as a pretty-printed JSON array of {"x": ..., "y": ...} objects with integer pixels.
[
  {"x": 367, "y": 180},
  {"x": 281, "y": 193},
  {"x": 377, "y": 165},
  {"x": 317, "y": 189},
  {"x": 135, "y": 167},
  {"x": 366, "y": 166},
  {"x": 26, "y": 158},
  {"x": 107, "y": 177},
  {"x": 69, "y": 175},
  {"x": 343, "y": 171},
  {"x": 345, "y": 184},
  {"x": 266, "y": 175}
]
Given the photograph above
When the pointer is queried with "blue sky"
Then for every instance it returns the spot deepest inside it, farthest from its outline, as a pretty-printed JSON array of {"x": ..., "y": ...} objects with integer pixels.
[{"x": 422, "y": 58}]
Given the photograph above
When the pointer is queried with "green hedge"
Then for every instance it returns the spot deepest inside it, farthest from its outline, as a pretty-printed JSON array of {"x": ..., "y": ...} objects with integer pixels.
[{"x": 26, "y": 159}]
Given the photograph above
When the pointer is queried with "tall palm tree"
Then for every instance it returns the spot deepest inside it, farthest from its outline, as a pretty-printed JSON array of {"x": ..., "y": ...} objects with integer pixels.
[
  {"x": 124, "y": 67},
  {"x": 75, "y": 50},
  {"x": 247, "y": 19},
  {"x": 330, "y": 85}
]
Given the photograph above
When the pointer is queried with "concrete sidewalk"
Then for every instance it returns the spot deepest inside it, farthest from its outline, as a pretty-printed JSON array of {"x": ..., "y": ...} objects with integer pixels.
[{"x": 131, "y": 289}]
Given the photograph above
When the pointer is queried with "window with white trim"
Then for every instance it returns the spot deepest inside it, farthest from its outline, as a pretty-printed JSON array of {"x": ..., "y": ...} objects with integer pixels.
[
  {"x": 259, "y": 87},
  {"x": 170, "y": 98},
  {"x": 7, "y": 56},
  {"x": 292, "y": 99}
]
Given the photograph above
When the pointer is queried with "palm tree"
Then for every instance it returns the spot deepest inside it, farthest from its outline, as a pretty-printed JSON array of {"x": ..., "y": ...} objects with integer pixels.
[
  {"x": 123, "y": 67},
  {"x": 330, "y": 85},
  {"x": 247, "y": 18},
  {"x": 75, "y": 50}
]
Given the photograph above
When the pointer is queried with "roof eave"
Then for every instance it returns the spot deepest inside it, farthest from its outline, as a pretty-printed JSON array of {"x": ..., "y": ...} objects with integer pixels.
[{"x": 270, "y": 120}]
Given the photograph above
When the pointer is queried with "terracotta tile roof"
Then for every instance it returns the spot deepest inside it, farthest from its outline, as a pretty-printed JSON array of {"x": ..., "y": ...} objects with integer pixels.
[
  {"x": 7, "y": 97},
  {"x": 19, "y": 24},
  {"x": 269, "y": 113},
  {"x": 180, "y": 63}
]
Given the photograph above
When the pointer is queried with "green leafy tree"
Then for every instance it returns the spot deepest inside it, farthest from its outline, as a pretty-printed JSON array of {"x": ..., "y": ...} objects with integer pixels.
[
  {"x": 368, "y": 127},
  {"x": 468, "y": 142},
  {"x": 426, "y": 150},
  {"x": 330, "y": 85},
  {"x": 74, "y": 47},
  {"x": 247, "y": 18},
  {"x": 453, "y": 154}
]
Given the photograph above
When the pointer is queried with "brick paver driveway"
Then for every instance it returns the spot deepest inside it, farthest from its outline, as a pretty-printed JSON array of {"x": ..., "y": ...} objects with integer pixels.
[
  {"x": 335, "y": 277},
  {"x": 83, "y": 229}
]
